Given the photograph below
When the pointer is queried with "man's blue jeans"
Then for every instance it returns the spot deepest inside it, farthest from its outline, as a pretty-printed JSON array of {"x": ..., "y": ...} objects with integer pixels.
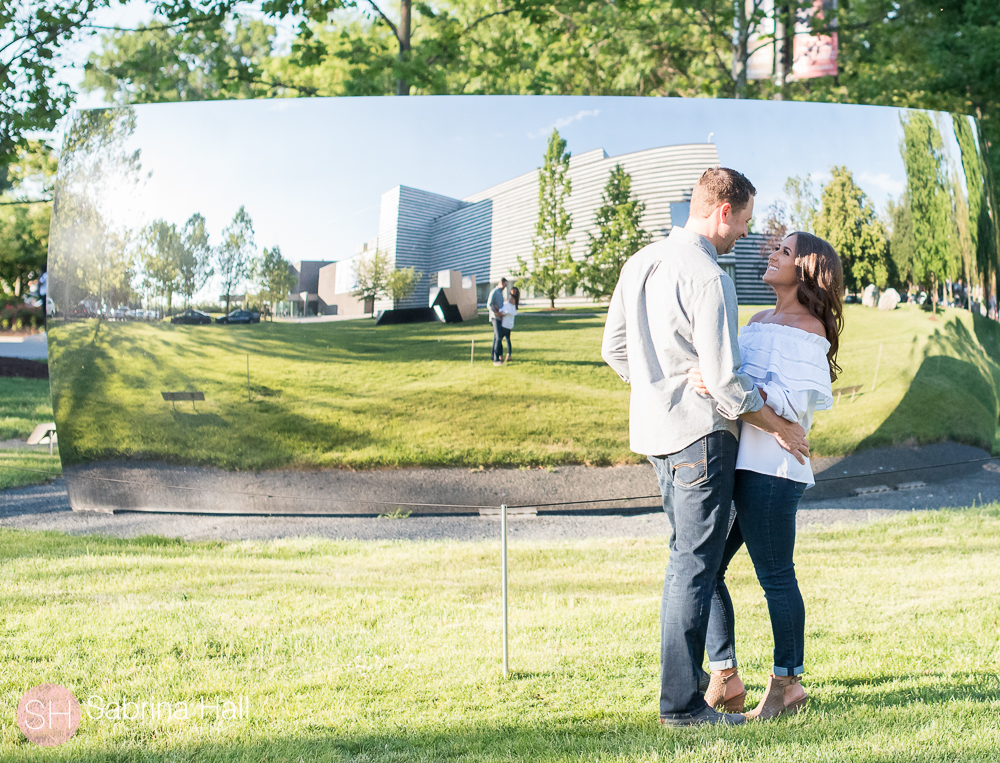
[
  {"x": 497, "y": 341},
  {"x": 765, "y": 521},
  {"x": 697, "y": 488}
]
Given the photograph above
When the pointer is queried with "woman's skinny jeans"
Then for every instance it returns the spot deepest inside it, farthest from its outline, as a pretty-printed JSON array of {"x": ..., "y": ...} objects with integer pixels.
[{"x": 765, "y": 521}]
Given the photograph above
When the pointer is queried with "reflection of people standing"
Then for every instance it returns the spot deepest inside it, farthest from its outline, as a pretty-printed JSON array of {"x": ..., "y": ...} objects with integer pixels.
[
  {"x": 675, "y": 308},
  {"x": 508, "y": 311},
  {"x": 493, "y": 304}
]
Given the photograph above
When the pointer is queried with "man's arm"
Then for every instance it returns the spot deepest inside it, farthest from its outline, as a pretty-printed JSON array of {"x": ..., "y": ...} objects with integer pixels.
[
  {"x": 789, "y": 434},
  {"x": 613, "y": 348},
  {"x": 714, "y": 314}
]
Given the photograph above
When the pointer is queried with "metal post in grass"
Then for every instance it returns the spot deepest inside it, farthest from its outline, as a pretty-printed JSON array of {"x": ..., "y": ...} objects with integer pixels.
[
  {"x": 503, "y": 585},
  {"x": 248, "y": 380},
  {"x": 877, "y": 364},
  {"x": 472, "y": 352}
]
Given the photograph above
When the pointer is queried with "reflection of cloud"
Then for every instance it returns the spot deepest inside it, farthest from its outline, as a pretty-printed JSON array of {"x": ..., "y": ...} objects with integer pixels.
[
  {"x": 562, "y": 122},
  {"x": 883, "y": 181}
]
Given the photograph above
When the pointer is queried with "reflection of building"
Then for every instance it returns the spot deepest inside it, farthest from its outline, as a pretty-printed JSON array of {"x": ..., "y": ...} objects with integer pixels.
[{"x": 483, "y": 235}]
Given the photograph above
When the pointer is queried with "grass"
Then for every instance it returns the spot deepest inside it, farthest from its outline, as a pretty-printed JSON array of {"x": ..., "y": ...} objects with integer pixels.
[
  {"x": 389, "y": 651},
  {"x": 24, "y": 403}
]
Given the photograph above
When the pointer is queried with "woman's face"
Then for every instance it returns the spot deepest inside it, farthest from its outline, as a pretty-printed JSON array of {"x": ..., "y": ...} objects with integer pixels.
[{"x": 781, "y": 264}]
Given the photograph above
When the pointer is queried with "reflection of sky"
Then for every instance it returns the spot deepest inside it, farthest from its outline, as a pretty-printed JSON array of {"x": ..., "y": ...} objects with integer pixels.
[{"x": 311, "y": 172}]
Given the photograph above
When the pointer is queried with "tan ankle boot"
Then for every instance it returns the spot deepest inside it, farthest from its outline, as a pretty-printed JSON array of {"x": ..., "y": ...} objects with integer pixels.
[
  {"x": 715, "y": 695},
  {"x": 772, "y": 704}
]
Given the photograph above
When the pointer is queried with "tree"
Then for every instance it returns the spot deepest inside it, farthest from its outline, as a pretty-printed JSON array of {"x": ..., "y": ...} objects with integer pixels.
[
  {"x": 848, "y": 221},
  {"x": 981, "y": 225},
  {"x": 372, "y": 276},
  {"x": 235, "y": 255},
  {"x": 803, "y": 203},
  {"x": 93, "y": 257},
  {"x": 928, "y": 192},
  {"x": 620, "y": 235},
  {"x": 552, "y": 268},
  {"x": 194, "y": 266},
  {"x": 401, "y": 282},
  {"x": 902, "y": 244},
  {"x": 274, "y": 277},
  {"x": 161, "y": 253},
  {"x": 25, "y": 217}
]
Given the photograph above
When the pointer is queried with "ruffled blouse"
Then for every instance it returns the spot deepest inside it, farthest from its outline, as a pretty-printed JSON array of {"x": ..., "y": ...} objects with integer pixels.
[{"x": 791, "y": 366}]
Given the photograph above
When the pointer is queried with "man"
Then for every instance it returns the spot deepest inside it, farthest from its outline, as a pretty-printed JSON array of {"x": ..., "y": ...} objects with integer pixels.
[
  {"x": 674, "y": 308},
  {"x": 493, "y": 304}
]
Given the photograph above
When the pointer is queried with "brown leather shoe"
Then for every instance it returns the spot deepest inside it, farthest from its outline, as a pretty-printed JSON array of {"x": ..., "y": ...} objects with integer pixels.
[
  {"x": 715, "y": 695},
  {"x": 772, "y": 704}
]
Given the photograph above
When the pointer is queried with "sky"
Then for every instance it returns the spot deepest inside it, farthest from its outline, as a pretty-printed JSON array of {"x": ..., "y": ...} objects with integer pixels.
[{"x": 311, "y": 172}]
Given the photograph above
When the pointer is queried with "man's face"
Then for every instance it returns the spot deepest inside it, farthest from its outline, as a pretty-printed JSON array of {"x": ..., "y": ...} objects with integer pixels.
[{"x": 733, "y": 225}]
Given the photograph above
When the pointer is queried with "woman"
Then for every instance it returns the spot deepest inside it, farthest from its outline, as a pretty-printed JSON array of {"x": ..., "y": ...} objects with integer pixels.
[
  {"x": 508, "y": 311},
  {"x": 790, "y": 352}
]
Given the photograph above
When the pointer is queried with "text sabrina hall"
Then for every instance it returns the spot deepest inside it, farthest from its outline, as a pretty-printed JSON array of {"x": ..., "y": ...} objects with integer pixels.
[{"x": 138, "y": 710}]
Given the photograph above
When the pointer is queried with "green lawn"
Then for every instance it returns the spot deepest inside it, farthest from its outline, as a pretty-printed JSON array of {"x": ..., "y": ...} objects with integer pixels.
[
  {"x": 391, "y": 651},
  {"x": 24, "y": 403},
  {"x": 350, "y": 394}
]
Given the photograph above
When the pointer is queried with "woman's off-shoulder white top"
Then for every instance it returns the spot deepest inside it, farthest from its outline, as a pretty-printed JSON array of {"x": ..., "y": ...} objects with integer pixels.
[{"x": 790, "y": 365}]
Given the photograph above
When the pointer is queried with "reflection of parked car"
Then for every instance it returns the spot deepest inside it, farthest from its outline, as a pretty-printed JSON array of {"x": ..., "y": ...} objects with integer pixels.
[
  {"x": 239, "y": 316},
  {"x": 851, "y": 299},
  {"x": 192, "y": 317}
]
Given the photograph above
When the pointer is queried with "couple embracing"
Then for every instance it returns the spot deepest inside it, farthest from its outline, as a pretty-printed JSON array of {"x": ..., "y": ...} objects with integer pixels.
[{"x": 671, "y": 333}]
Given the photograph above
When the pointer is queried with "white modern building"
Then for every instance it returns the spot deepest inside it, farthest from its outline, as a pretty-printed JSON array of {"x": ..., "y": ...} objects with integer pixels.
[{"x": 482, "y": 235}]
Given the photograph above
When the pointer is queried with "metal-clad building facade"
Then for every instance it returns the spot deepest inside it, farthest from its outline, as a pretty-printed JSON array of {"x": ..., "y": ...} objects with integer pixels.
[{"x": 484, "y": 234}]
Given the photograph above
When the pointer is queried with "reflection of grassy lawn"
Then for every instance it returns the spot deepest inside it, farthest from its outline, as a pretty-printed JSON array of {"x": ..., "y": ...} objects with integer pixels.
[
  {"x": 391, "y": 651},
  {"x": 352, "y": 394}
]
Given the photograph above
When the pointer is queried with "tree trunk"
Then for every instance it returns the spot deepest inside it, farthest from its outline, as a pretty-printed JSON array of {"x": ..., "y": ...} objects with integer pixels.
[
  {"x": 402, "y": 86},
  {"x": 742, "y": 45}
]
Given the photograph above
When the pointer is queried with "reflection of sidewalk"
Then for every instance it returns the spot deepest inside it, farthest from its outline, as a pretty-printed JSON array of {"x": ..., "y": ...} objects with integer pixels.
[{"x": 28, "y": 347}]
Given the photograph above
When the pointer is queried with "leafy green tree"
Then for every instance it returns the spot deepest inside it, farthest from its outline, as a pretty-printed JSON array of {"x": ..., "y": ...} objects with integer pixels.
[
  {"x": 160, "y": 255},
  {"x": 848, "y": 221},
  {"x": 25, "y": 217},
  {"x": 400, "y": 283},
  {"x": 235, "y": 255},
  {"x": 982, "y": 229},
  {"x": 95, "y": 258},
  {"x": 274, "y": 277},
  {"x": 803, "y": 203},
  {"x": 552, "y": 268},
  {"x": 372, "y": 276},
  {"x": 902, "y": 244},
  {"x": 928, "y": 192},
  {"x": 194, "y": 266},
  {"x": 620, "y": 235}
]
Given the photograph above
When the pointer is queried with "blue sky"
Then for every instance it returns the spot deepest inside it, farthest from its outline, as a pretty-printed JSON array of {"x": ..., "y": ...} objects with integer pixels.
[{"x": 311, "y": 171}]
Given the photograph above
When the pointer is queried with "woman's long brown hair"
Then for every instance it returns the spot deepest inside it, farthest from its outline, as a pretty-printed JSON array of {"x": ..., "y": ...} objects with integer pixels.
[{"x": 821, "y": 288}]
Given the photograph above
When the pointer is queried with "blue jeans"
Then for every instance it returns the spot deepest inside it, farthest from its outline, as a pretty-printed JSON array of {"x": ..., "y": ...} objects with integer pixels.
[
  {"x": 505, "y": 334},
  {"x": 697, "y": 488},
  {"x": 497, "y": 340},
  {"x": 765, "y": 521}
]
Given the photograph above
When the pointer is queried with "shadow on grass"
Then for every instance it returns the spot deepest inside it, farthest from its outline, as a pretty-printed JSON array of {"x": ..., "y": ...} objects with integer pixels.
[{"x": 954, "y": 394}]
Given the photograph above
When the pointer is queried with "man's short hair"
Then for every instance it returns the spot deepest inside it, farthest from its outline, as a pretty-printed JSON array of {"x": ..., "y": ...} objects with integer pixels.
[
  {"x": 720, "y": 185},
  {"x": 503, "y": 280}
]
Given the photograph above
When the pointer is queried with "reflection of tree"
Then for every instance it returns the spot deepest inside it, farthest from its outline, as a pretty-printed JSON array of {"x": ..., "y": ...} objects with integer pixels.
[
  {"x": 195, "y": 264},
  {"x": 160, "y": 253},
  {"x": 236, "y": 254},
  {"x": 274, "y": 276},
  {"x": 848, "y": 221},
  {"x": 982, "y": 231},
  {"x": 935, "y": 255},
  {"x": 620, "y": 235},
  {"x": 89, "y": 256}
]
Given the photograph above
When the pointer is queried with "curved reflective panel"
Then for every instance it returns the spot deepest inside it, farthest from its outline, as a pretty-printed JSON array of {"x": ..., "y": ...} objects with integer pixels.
[{"x": 279, "y": 306}]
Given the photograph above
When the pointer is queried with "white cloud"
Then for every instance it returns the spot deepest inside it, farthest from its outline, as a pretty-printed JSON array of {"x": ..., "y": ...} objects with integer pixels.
[
  {"x": 562, "y": 122},
  {"x": 883, "y": 181}
]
